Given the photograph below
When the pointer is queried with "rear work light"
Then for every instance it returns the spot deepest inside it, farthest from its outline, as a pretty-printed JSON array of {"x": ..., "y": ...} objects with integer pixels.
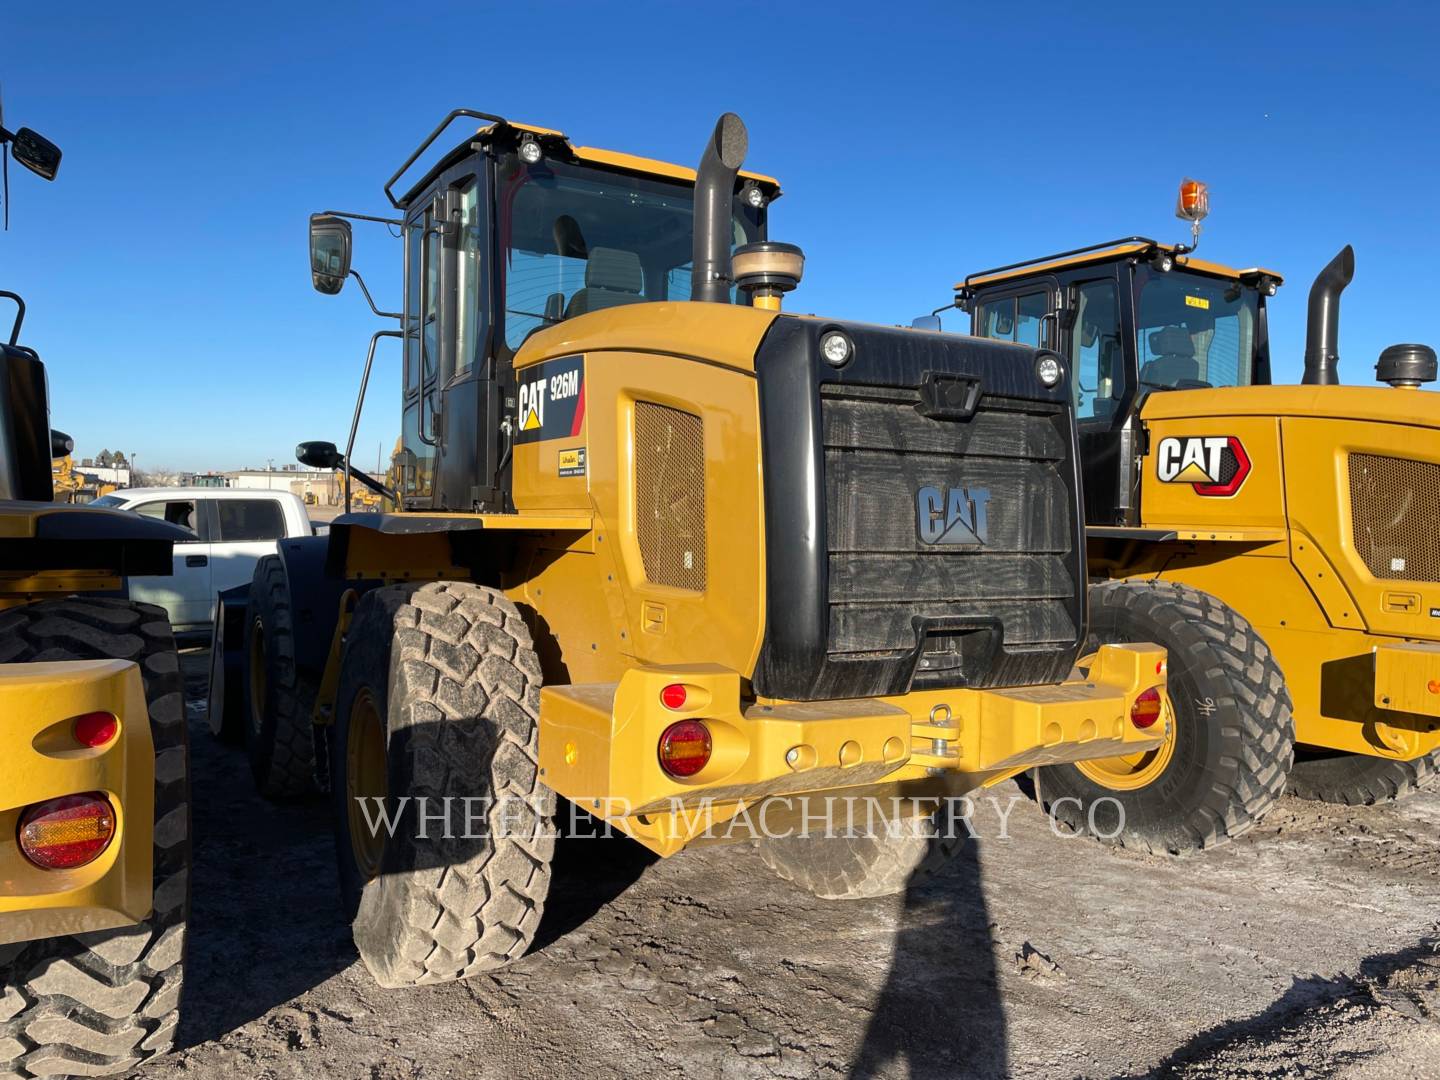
[
  {"x": 1146, "y": 709},
  {"x": 685, "y": 748},
  {"x": 71, "y": 831},
  {"x": 95, "y": 728}
]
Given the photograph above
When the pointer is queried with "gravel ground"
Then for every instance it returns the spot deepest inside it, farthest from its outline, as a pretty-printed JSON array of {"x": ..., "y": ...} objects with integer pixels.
[{"x": 1309, "y": 948}]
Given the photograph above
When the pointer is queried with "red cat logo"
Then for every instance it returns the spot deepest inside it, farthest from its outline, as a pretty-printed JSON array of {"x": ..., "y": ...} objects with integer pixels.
[{"x": 1211, "y": 464}]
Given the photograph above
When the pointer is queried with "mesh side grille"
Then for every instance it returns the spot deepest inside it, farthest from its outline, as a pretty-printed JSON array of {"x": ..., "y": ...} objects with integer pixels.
[
  {"x": 670, "y": 495},
  {"x": 1394, "y": 508}
]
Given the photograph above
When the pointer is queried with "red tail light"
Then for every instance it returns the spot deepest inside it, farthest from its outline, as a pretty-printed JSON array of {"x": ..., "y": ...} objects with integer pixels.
[
  {"x": 673, "y": 696},
  {"x": 1146, "y": 709},
  {"x": 61, "y": 834},
  {"x": 685, "y": 748},
  {"x": 95, "y": 728}
]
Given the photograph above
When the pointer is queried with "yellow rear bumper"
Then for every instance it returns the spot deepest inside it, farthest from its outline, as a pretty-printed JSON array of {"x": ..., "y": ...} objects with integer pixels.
[
  {"x": 40, "y": 759},
  {"x": 598, "y": 742},
  {"x": 1407, "y": 697}
]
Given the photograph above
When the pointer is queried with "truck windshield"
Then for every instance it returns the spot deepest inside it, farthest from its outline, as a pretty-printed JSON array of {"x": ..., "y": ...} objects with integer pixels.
[
  {"x": 575, "y": 239},
  {"x": 108, "y": 500},
  {"x": 1194, "y": 331}
]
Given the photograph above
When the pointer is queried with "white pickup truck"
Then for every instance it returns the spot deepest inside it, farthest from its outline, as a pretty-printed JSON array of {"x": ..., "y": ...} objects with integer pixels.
[{"x": 233, "y": 528}]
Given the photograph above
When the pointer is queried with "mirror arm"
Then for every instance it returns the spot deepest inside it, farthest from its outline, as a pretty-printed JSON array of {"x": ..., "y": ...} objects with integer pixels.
[
  {"x": 364, "y": 217},
  {"x": 383, "y": 314},
  {"x": 355, "y": 422},
  {"x": 371, "y": 483}
]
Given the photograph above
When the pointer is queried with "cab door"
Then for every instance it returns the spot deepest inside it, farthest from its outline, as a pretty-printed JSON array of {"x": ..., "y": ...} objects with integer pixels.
[
  {"x": 1094, "y": 336},
  {"x": 422, "y": 321}
]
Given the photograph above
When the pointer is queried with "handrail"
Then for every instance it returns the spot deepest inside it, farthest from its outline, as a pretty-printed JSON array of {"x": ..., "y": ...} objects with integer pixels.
[
  {"x": 1062, "y": 255},
  {"x": 430, "y": 139},
  {"x": 360, "y": 404}
]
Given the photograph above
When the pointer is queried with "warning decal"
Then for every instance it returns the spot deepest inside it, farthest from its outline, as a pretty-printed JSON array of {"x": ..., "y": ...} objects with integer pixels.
[{"x": 551, "y": 403}]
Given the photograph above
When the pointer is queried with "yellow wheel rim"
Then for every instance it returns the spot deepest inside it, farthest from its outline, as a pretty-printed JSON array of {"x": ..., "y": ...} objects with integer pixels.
[
  {"x": 365, "y": 782},
  {"x": 1131, "y": 772},
  {"x": 257, "y": 675}
]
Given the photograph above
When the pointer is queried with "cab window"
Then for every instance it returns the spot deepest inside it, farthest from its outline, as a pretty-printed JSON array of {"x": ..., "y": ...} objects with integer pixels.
[
  {"x": 1099, "y": 353},
  {"x": 1015, "y": 318},
  {"x": 577, "y": 239},
  {"x": 1194, "y": 332}
]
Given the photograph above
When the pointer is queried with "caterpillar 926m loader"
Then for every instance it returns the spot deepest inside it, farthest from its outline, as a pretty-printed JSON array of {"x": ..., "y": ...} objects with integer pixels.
[
  {"x": 1282, "y": 542},
  {"x": 669, "y": 553},
  {"x": 94, "y": 774}
]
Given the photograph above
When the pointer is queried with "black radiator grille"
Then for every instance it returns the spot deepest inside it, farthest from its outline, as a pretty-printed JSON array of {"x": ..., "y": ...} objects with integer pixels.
[{"x": 886, "y": 586}]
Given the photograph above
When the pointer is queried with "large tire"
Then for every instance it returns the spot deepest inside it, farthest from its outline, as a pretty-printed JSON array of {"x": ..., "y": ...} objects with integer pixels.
[
  {"x": 279, "y": 736},
  {"x": 1360, "y": 780},
  {"x": 445, "y": 677},
  {"x": 1233, "y": 731},
  {"x": 861, "y": 867},
  {"x": 99, "y": 1003}
]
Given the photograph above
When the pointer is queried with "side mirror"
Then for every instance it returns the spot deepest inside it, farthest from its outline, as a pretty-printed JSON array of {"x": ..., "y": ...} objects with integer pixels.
[
  {"x": 36, "y": 153},
  {"x": 926, "y": 322},
  {"x": 329, "y": 253},
  {"x": 319, "y": 455}
]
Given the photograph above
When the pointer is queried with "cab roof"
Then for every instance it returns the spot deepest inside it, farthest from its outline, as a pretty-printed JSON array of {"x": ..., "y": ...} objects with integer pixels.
[
  {"x": 1111, "y": 251},
  {"x": 611, "y": 159}
]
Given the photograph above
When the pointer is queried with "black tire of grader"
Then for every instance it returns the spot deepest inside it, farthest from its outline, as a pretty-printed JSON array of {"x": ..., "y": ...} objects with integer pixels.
[
  {"x": 279, "y": 736},
  {"x": 1235, "y": 732},
  {"x": 1360, "y": 780},
  {"x": 862, "y": 867},
  {"x": 452, "y": 673},
  {"x": 98, "y": 1003}
]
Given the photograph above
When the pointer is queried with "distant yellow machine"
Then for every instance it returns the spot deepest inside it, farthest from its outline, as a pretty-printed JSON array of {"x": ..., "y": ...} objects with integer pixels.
[
  {"x": 1283, "y": 542},
  {"x": 75, "y": 486}
]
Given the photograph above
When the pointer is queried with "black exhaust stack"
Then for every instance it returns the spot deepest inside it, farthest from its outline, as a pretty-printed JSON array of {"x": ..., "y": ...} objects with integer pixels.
[
  {"x": 1322, "y": 332},
  {"x": 714, "y": 197}
]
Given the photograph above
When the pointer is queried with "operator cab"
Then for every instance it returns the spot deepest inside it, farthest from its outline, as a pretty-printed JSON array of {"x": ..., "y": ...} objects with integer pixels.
[
  {"x": 1134, "y": 317},
  {"x": 513, "y": 232}
]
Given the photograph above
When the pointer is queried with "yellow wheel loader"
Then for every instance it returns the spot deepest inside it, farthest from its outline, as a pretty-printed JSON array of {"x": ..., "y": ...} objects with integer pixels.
[
  {"x": 94, "y": 774},
  {"x": 1281, "y": 541},
  {"x": 76, "y": 486},
  {"x": 704, "y": 569}
]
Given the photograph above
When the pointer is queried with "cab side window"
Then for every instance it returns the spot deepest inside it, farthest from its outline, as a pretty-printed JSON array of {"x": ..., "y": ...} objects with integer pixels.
[
  {"x": 1015, "y": 318},
  {"x": 1099, "y": 357}
]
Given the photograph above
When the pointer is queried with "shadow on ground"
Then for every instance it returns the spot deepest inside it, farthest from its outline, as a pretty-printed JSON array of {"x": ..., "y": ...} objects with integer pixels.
[
  {"x": 265, "y": 921},
  {"x": 939, "y": 1015}
]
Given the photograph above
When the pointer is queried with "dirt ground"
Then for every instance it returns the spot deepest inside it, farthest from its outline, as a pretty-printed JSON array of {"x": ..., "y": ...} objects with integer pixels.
[{"x": 1309, "y": 948}]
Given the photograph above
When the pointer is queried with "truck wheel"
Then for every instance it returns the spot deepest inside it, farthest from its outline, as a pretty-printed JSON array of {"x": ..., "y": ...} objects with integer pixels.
[
  {"x": 99, "y": 1003},
  {"x": 1358, "y": 779},
  {"x": 1230, "y": 735},
  {"x": 278, "y": 734},
  {"x": 436, "y": 721},
  {"x": 861, "y": 867}
]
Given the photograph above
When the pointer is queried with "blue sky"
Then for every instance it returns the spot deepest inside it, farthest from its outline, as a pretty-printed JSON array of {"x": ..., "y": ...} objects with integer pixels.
[{"x": 166, "y": 268}]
